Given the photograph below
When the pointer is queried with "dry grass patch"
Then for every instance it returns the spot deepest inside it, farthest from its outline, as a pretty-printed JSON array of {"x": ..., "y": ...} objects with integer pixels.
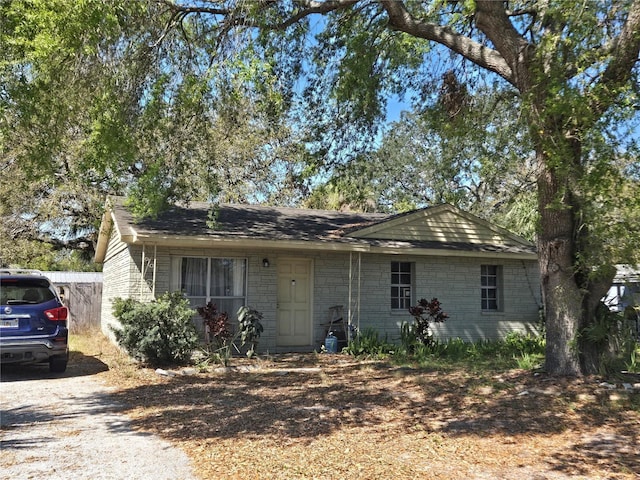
[{"x": 321, "y": 416}]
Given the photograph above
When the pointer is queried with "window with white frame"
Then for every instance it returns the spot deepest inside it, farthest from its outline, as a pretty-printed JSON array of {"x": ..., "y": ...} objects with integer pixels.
[
  {"x": 218, "y": 280},
  {"x": 401, "y": 285},
  {"x": 490, "y": 287}
]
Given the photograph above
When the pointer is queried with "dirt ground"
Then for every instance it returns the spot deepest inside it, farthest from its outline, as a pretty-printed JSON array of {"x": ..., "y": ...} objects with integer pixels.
[
  {"x": 331, "y": 416},
  {"x": 68, "y": 426}
]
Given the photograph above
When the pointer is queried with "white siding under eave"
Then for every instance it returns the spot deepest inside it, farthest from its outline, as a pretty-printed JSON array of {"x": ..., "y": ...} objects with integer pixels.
[
  {"x": 443, "y": 227},
  {"x": 116, "y": 280}
]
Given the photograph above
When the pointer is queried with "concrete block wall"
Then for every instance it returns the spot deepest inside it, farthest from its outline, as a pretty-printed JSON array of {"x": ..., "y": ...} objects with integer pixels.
[{"x": 455, "y": 281}]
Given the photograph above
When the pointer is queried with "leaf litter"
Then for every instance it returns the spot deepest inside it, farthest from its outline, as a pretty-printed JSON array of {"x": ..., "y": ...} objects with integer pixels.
[{"x": 317, "y": 416}]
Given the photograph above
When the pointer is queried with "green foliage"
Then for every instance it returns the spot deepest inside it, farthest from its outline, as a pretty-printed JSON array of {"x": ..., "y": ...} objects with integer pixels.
[
  {"x": 167, "y": 102},
  {"x": 160, "y": 332},
  {"x": 633, "y": 364},
  {"x": 97, "y": 100},
  {"x": 369, "y": 344},
  {"x": 515, "y": 350},
  {"x": 225, "y": 342},
  {"x": 614, "y": 335},
  {"x": 249, "y": 328},
  {"x": 516, "y": 344}
]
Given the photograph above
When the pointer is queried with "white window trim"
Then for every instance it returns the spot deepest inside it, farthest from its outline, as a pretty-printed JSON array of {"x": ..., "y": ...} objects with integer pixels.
[
  {"x": 497, "y": 288},
  {"x": 176, "y": 275},
  {"x": 403, "y": 310}
]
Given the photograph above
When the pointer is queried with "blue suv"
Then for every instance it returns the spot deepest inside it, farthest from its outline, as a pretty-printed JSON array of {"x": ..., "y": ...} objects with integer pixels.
[{"x": 33, "y": 320}]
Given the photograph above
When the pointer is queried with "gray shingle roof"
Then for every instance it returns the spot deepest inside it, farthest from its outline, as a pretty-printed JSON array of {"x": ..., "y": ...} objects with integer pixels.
[
  {"x": 250, "y": 221},
  {"x": 287, "y": 224}
]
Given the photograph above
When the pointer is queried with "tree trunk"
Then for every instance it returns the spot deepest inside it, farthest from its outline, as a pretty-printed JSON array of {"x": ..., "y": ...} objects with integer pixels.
[
  {"x": 561, "y": 295},
  {"x": 571, "y": 297}
]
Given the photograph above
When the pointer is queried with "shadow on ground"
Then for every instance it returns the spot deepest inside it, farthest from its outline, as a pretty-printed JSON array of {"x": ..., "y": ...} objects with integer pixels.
[
  {"x": 79, "y": 365},
  {"x": 309, "y": 403}
]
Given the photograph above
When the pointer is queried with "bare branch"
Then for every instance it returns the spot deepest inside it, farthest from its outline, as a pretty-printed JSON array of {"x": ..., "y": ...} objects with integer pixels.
[
  {"x": 624, "y": 52},
  {"x": 235, "y": 18},
  {"x": 493, "y": 21},
  {"x": 400, "y": 19}
]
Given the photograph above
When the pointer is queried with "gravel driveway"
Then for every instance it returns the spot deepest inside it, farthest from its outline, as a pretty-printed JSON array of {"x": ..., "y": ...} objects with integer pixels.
[{"x": 66, "y": 426}]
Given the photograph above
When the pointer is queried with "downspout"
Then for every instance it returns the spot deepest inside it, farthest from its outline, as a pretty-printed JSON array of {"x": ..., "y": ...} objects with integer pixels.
[
  {"x": 142, "y": 271},
  {"x": 155, "y": 264},
  {"x": 349, "y": 313},
  {"x": 359, "y": 285}
]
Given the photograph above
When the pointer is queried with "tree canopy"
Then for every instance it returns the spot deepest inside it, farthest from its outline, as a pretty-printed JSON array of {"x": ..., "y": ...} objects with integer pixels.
[{"x": 97, "y": 99}]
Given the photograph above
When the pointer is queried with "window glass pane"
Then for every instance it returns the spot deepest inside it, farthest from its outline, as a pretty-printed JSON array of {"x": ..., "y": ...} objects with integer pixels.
[
  {"x": 227, "y": 277},
  {"x": 194, "y": 277},
  {"x": 489, "y": 287},
  {"x": 230, "y": 306},
  {"x": 400, "y": 285}
]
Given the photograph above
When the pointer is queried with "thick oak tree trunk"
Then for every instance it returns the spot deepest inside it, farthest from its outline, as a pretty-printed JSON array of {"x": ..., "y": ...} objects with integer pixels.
[
  {"x": 571, "y": 297},
  {"x": 561, "y": 295}
]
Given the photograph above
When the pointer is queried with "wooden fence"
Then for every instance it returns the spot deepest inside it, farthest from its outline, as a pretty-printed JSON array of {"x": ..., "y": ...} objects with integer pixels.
[{"x": 82, "y": 294}]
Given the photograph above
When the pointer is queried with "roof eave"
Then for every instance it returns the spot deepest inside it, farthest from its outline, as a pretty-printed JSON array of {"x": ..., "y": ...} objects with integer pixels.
[
  {"x": 444, "y": 252},
  {"x": 360, "y": 246},
  {"x": 212, "y": 241},
  {"x": 104, "y": 233}
]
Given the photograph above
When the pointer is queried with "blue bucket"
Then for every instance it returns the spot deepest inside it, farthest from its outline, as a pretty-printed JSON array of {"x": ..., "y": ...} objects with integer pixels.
[{"x": 331, "y": 344}]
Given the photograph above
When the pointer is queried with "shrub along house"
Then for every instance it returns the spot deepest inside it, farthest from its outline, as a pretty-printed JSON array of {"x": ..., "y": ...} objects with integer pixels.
[{"x": 294, "y": 265}]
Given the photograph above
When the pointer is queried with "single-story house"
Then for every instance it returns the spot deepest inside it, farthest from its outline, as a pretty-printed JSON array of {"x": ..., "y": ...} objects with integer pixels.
[{"x": 301, "y": 267}]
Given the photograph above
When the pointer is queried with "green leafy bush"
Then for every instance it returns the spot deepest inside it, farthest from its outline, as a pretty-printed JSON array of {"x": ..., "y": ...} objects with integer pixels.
[
  {"x": 515, "y": 350},
  {"x": 521, "y": 344},
  {"x": 250, "y": 328},
  {"x": 224, "y": 341},
  {"x": 368, "y": 343},
  {"x": 160, "y": 332}
]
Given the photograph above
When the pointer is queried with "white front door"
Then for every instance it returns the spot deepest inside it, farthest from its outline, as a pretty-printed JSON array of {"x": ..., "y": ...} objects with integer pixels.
[{"x": 294, "y": 303}]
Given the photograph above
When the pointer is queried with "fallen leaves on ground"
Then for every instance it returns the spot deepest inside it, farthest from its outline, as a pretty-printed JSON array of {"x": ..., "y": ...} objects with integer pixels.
[{"x": 316, "y": 416}]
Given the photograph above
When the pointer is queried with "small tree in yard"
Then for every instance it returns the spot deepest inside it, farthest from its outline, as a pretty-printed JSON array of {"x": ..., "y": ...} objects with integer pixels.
[
  {"x": 217, "y": 324},
  {"x": 223, "y": 339},
  {"x": 250, "y": 328},
  {"x": 424, "y": 314},
  {"x": 221, "y": 335},
  {"x": 159, "y": 332}
]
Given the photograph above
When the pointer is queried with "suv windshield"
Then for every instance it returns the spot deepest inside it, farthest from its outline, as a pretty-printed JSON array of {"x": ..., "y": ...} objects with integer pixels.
[{"x": 21, "y": 291}]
